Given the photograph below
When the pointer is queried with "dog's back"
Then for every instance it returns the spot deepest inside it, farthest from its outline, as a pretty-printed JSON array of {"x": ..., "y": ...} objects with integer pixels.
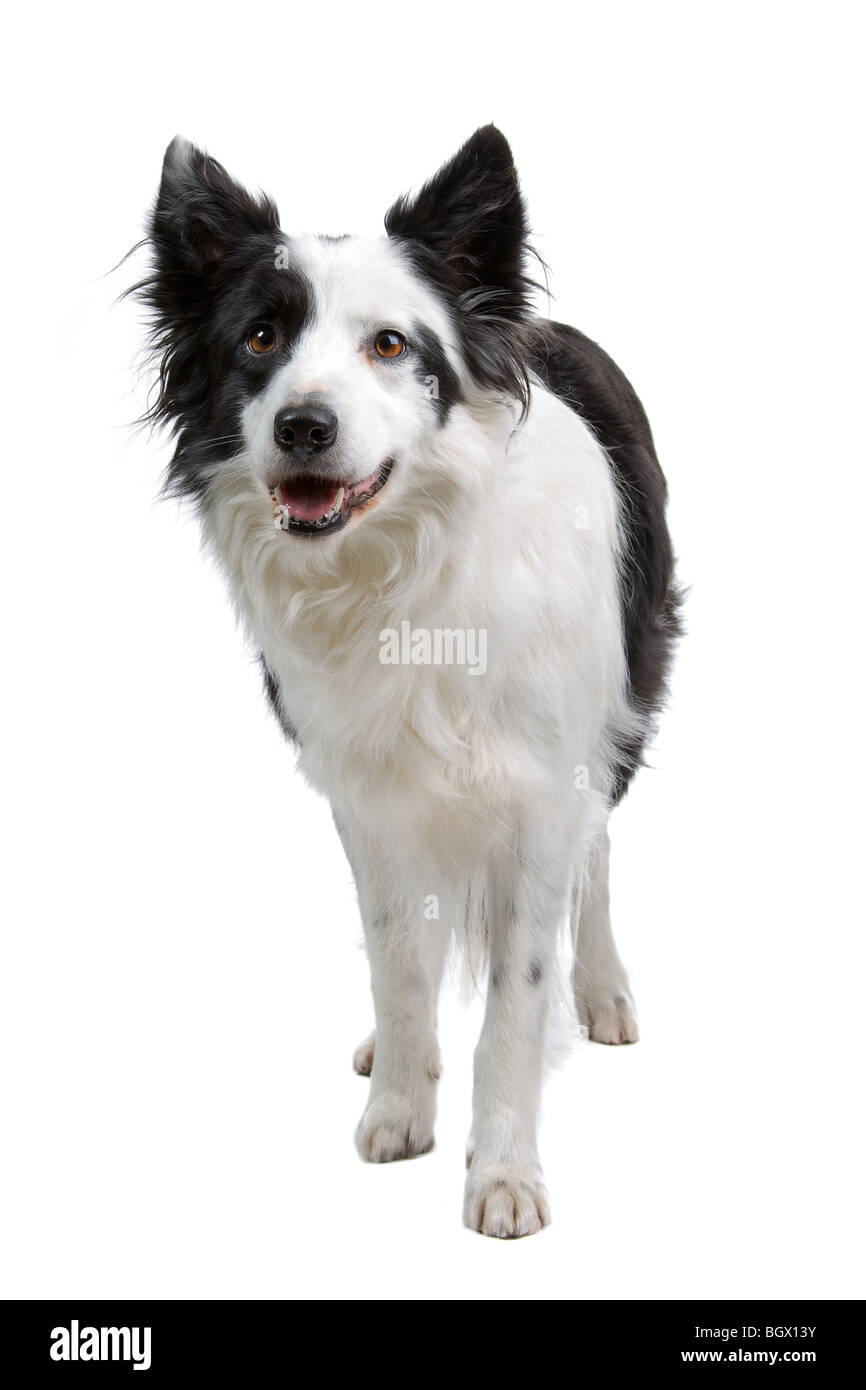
[{"x": 582, "y": 375}]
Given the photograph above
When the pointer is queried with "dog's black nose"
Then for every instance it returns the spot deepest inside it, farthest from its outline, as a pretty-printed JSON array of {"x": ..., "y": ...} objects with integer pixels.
[{"x": 308, "y": 430}]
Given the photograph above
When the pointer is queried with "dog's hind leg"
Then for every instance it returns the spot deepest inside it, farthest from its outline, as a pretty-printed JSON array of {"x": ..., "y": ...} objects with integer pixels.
[
  {"x": 362, "y": 1058},
  {"x": 601, "y": 989}
]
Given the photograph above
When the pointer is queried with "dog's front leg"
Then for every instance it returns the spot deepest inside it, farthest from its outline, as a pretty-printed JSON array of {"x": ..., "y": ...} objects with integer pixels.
[
  {"x": 407, "y": 956},
  {"x": 527, "y": 901}
]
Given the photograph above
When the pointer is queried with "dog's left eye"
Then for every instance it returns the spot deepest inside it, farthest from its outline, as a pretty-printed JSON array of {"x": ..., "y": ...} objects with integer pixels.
[
  {"x": 262, "y": 339},
  {"x": 390, "y": 344}
]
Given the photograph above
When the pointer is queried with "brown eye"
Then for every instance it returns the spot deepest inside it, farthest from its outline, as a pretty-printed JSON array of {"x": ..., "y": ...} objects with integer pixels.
[
  {"x": 262, "y": 339},
  {"x": 390, "y": 344}
]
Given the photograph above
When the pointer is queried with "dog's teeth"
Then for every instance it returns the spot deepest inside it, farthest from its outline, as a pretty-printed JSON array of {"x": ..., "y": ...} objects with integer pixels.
[
  {"x": 283, "y": 515},
  {"x": 334, "y": 512}
]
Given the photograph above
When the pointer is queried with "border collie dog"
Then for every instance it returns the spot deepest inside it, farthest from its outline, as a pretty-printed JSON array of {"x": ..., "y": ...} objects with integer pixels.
[{"x": 402, "y": 470}]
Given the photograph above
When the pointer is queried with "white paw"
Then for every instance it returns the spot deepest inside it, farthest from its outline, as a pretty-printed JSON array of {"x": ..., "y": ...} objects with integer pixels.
[
  {"x": 505, "y": 1202},
  {"x": 393, "y": 1127},
  {"x": 608, "y": 1015},
  {"x": 364, "y": 1053}
]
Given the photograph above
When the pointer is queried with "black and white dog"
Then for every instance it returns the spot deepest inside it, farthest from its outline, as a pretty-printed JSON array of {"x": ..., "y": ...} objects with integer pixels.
[{"x": 442, "y": 523}]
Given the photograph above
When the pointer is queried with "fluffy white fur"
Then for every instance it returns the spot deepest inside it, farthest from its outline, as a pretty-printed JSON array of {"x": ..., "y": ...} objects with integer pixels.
[{"x": 491, "y": 792}]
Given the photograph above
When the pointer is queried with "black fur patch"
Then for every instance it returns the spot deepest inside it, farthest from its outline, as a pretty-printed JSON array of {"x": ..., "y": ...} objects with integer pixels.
[
  {"x": 434, "y": 371},
  {"x": 215, "y": 277},
  {"x": 465, "y": 232},
  {"x": 585, "y": 378},
  {"x": 536, "y": 971},
  {"x": 272, "y": 690}
]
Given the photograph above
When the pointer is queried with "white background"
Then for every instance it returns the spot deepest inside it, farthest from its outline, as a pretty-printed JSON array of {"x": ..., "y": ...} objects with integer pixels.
[{"x": 182, "y": 984}]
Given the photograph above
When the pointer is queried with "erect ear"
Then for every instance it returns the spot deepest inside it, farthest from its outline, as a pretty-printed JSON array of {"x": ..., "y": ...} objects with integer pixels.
[
  {"x": 467, "y": 226},
  {"x": 201, "y": 214}
]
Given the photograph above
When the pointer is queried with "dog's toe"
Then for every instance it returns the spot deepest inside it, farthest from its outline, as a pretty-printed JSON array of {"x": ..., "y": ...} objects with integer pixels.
[
  {"x": 392, "y": 1128},
  {"x": 505, "y": 1203}
]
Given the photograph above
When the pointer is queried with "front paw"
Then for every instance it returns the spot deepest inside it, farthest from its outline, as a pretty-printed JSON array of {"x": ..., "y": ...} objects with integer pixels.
[
  {"x": 505, "y": 1201},
  {"x": 394, "y": 1127}
]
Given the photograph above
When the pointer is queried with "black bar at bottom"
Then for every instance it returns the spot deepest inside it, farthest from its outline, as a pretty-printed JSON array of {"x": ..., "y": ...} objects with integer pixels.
[{"x": 161, "y": 1341}]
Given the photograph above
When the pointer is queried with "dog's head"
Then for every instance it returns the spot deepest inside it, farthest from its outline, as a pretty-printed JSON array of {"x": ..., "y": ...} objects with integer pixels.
[{"x": 327, "y": 367}]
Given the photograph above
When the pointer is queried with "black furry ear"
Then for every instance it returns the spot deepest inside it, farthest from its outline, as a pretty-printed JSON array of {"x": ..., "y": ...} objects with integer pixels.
[
  {"x": 200, "y": 220},
  {"x": 201, "y": 214},
  {"x": 466, "y": 231},
  {"x": 471, "y": 219}
]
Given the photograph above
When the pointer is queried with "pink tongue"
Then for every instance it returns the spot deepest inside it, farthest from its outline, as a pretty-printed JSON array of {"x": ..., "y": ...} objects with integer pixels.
[{"x": 308, "y": 498}]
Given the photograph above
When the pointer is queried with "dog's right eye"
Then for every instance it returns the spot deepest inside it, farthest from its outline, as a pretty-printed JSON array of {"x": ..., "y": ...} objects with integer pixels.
[{"x": 262, "y": 339}]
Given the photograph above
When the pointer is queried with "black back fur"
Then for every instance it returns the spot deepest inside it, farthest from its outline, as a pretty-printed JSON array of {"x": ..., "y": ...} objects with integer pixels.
[{"x": 585, "y": 378}]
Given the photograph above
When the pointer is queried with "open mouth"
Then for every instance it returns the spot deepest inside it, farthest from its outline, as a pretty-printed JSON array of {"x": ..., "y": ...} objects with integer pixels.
[{"x": 307, "y": 505}]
